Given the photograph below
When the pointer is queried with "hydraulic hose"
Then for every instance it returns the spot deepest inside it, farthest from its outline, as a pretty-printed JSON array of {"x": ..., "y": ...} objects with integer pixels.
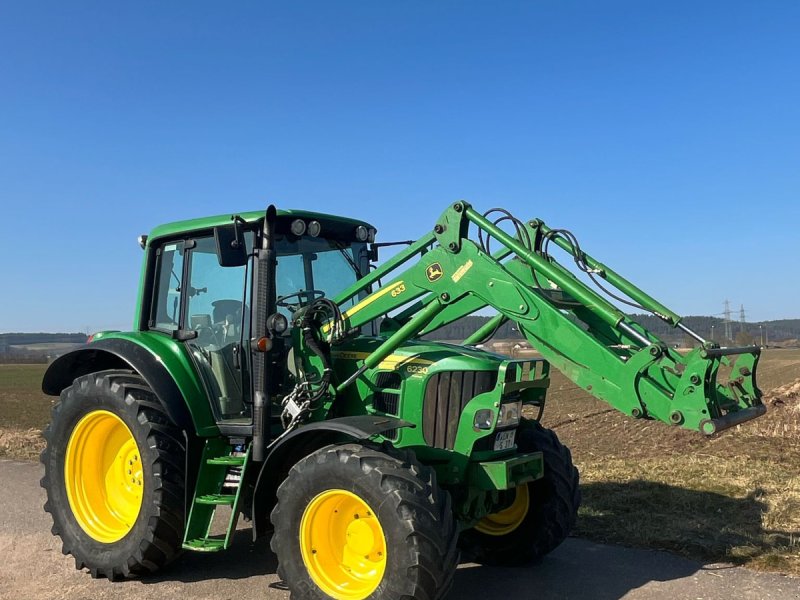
[{"x": 319, "y": 348}]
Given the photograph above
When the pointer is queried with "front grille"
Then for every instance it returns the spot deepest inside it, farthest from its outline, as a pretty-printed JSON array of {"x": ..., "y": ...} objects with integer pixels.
[
  {"x": 386, "y": 402},
  {"x": 386, "y": 398},
  {"x": 446, "y": 395},
  {"x": 388, "y": 379}
]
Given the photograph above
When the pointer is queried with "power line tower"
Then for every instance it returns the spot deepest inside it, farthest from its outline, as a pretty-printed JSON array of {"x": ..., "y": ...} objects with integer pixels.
[
  {"x": 741, "y": 318},
  {"x": 727, "y": 313}
]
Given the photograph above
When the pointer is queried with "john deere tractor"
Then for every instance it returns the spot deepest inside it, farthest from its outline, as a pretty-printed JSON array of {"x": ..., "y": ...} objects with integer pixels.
[{"x": 274, "y": 370}]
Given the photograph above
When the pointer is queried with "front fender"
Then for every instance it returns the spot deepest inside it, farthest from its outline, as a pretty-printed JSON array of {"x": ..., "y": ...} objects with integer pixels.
[
  {"x": 302, "y": 442},
  {"x": 160, "y": 362}
]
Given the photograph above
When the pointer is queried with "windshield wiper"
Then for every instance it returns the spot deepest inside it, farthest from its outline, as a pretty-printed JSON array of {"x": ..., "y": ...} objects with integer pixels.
[{"x": 343, "y": 249}]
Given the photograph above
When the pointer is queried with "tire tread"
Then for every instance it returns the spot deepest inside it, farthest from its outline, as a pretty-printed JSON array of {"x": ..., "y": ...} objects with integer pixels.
[
  {"x": 161, "y": 543},
  {"x": 423, "y": 513}
]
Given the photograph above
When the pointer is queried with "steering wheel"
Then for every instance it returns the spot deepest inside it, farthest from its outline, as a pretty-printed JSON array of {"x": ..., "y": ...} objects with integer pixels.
[
  {"x": 209, "y": 334},
  {"x": 310, "y": 296}
]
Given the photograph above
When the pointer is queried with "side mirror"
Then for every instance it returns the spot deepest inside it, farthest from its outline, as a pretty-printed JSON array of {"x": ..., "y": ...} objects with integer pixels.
[{"x": 231, "y": 247}]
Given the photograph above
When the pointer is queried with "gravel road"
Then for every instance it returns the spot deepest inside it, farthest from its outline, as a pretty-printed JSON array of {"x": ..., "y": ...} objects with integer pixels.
[{"x": 33, "y": 568}]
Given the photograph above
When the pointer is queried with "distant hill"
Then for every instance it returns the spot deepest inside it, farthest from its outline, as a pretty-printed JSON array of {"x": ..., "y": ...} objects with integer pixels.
[
  {"x": 37, "y": 347},
  {"x": 773, "y": 331},
  {"x": 24, "y": 339}
]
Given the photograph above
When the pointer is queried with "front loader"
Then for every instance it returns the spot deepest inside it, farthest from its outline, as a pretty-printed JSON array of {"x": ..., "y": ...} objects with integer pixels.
[{"x": 273, "y": 372}]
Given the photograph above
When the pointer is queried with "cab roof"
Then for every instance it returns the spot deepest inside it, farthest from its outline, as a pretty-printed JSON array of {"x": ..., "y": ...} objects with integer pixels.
[{"x": 205, "y": 223}]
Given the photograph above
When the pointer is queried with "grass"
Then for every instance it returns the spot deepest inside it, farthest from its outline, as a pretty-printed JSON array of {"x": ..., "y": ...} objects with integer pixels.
[
  {"x": 22, "y": 402},
  {"x": 731, "y": 498},
  {"x": 24, "y": 411}
]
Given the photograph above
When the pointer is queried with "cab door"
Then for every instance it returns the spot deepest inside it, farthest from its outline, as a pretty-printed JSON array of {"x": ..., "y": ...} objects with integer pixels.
[{"x": 218, "y": 316}]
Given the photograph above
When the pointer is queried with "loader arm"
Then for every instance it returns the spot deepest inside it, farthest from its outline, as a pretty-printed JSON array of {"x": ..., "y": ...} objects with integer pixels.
[{"x": 445, "y": 275}]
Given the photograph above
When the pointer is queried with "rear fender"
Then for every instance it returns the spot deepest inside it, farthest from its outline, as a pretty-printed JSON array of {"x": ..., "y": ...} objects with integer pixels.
[
  {"x": 158, "y": 370},
  {"x": 302, "y": 442}
]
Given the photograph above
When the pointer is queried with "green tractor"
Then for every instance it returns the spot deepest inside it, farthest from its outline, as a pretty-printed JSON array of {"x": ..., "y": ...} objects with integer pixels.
[{"x": 273, "y": 370}]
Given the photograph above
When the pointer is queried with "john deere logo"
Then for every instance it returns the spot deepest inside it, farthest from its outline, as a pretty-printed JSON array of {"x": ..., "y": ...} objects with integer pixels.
[{"x": 434, "y": 272}]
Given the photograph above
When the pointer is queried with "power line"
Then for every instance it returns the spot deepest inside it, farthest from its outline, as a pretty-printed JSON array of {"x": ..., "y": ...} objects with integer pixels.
[{"x": 727, "y": 313}]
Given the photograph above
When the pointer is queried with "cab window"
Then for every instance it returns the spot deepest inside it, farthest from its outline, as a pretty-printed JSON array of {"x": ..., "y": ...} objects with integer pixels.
[
  {"x": 167, "y": 298},
  {"x": 311, "y": 267}
]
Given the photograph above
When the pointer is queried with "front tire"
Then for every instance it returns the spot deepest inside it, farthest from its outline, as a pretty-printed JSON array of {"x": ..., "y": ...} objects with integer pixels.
[
  {"x": 114, "y": 476},
  {"x": 353, "y": 522},
  {"x": 541, "y": 514}
]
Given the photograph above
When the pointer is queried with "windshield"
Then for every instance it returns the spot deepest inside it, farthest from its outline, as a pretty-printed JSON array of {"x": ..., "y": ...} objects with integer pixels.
[{"x": 309, "y": 263}]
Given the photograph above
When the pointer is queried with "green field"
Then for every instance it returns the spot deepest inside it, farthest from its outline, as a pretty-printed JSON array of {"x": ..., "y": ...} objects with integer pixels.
[
  {"x": 734, "y": 497},
  {"x": 24, "y": 410},
  {"x": 22, "y": 403}
]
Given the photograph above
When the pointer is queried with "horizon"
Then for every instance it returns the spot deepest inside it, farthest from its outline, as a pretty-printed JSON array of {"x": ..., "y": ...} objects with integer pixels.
[
  {"x": 666, "y": 137},
  {"x": 733, "y": 322}
]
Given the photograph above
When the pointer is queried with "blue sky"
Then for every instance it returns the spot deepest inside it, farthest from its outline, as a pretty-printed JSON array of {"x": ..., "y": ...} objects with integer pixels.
[{"x": 665, "y": 135}]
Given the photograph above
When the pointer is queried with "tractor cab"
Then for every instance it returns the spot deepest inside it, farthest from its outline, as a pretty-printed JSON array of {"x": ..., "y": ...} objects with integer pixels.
[{"x": 203, "y": 279}]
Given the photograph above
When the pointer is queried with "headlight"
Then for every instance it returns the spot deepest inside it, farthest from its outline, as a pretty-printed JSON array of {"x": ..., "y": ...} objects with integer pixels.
[
  {"x": 298, "y": 227},
  {"x": 483, "y": 419},
  {"x": 277, "y": 323},
  {"x": 510, "y": 413}
]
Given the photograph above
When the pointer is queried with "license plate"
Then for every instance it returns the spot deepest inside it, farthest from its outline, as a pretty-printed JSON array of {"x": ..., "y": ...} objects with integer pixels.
[{"x": 504, "y": 440}]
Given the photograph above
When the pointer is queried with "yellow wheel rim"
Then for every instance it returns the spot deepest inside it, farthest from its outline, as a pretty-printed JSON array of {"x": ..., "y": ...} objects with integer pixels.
[
  {"x": 343, "y": 545},
  {"x": 103, "y": 476},
  {"x": 507, "y": 520}
]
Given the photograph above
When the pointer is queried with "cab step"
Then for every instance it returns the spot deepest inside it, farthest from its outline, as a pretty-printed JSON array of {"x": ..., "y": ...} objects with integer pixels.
[
  {"x": 205, "y": 545},
  {"x": 233, "y": 460},
  {"x": 222, "y": 468},
  {"x": 217, "y": 499}
]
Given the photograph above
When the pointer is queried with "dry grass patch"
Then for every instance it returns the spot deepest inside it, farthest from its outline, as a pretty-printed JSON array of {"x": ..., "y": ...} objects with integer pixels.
[
  {"x": 22, "y": 444},
  {"x": 783, "y": 401},
  {"x": 710, "y": 508},
  {"x": 734, "y": 497}
]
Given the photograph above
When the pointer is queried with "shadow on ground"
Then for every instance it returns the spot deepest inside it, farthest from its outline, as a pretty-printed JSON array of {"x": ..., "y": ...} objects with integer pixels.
[
  {"x": 242, "y": 560},
  {"x": 579, "y": 569},
  {"x": 703, "y": 525}
]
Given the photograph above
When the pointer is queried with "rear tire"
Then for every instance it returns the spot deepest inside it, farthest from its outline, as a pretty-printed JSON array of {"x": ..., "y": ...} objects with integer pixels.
[
  {"x": 551, "y": 512},
  {"x": 409, "y": 536},
  {"x": 103, "y": 426}
]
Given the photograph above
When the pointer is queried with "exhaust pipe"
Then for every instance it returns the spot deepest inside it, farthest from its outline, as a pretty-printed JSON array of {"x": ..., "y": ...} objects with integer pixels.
[{"x": 264, "y": 277}]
